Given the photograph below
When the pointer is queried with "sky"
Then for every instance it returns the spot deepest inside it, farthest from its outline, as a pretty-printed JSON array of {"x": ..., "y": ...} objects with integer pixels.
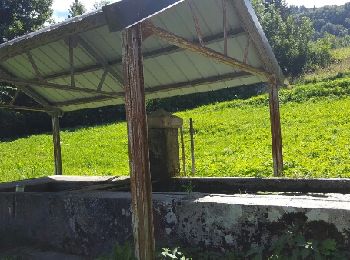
[{"x": 61, "y": 6}]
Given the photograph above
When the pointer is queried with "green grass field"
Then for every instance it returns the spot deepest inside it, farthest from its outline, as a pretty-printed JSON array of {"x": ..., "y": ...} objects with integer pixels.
[{"x": 232, "y": 139}]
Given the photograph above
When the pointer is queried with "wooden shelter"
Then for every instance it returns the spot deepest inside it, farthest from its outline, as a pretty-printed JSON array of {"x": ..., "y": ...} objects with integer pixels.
[{"x": 137, "y": 49}]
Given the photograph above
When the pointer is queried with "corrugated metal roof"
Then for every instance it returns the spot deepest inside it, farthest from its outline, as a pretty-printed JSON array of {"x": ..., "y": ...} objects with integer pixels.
[{"x": 168, "y": 70}]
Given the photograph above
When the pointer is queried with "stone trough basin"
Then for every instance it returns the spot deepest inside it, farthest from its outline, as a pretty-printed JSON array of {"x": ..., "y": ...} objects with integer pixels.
[{"x": 87, "y": 216}]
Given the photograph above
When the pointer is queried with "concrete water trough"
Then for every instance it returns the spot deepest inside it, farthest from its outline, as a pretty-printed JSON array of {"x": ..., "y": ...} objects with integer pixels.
[{"x": 87, "y": 216}]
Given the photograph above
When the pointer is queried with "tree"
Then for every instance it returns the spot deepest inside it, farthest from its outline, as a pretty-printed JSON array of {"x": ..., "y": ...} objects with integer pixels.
[
  {"x": 18, "y": 17},
  {"x": 102, "y": 3},
  {"x": 290, "y": 36},
  {"x": 77, "y": 8}
]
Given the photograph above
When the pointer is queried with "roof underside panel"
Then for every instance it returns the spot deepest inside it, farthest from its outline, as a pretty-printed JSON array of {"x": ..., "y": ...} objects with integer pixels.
[{"x": 90, "y": 60}]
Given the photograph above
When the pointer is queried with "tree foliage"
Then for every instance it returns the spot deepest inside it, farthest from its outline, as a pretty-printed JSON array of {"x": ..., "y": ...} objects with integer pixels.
[
  {"x": 291, "y": 37},
  {"x": 18, "y": 17},
  {"x": 328, "y": 19},
  {"x": 77, "y": 8},
  {"x": 102, "y": 3}
]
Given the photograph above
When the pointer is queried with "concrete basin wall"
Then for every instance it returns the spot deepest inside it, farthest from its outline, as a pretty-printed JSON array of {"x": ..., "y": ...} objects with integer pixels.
[{"x": 91, "y": 223}]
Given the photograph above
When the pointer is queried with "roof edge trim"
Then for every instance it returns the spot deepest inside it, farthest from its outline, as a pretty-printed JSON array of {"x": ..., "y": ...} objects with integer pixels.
[{"x": 124, "y": 14}]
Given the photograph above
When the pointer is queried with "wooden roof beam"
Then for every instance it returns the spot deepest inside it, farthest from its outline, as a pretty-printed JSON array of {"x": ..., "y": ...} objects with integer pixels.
[
  {"x": 34, "y": 65},
  {"x": 148, "y": 91},
  {"x": 52, "y": 34},
  {"x": 207, "y": 52},
  {"x": 148, "y": 55},
  {"x": 82, "y": 101},
  {"x": 91, "y": 51},
  {"x": 23, "y": 85},
  {"x": 25, "y": 108},
  {"x": 27, "y": 89}
]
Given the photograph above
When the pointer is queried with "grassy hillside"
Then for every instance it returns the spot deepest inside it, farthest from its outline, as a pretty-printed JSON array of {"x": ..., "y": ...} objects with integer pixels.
[
  {"x": 232, "y": 139},
  {"x": 339, "y": 68}
]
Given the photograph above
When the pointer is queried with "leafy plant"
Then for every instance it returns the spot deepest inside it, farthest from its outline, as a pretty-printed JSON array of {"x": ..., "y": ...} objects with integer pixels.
[
  {"x": 172, "y": 254},
  {"x": 188, "y": 187}
]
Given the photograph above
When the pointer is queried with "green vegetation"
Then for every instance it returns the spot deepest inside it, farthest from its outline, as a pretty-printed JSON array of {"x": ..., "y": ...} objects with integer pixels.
[
  {"x": 301, "y": 38},
  {"x": 76, "y": 8},
  {"x": 291, "y": 237},
  {"x": 340, "y": 68},
  {"x": 232, "y": 139},
  {"x": 328, "y": 19}
]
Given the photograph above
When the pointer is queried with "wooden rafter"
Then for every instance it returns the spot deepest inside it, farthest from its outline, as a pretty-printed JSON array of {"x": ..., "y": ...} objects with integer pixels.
[
  {"x": 26, "y": 89},
  {"x": 224, "y": 21},
  {"x": 71, "y": 45},
  {"x": 207, "y": 52},
  {"x": 22, "y": 84},
  {"x": 103, "y": 79},
  {"x": 15, "y": 97},
  {"x": 56, "y": 33},
  {"x": 34, "y": 65},
  {"x": 169, "y": 87},
  {"x": 99, "y": 59},
  {"x": 30, "y": 92},
  {"x": 82, "y": 101},
  {"x": 196, "y": 23},
  {"x": 149, "y": 55},
  {"x": 246, "y": 51},
  {"x": 146, "y": 34},
  {"x": 194, "y": 83},
  {"x": 25, "y": 108}
]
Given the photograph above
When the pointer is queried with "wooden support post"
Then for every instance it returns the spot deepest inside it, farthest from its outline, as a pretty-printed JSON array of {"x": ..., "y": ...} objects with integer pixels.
[
  {"x": 276, "y": 129},
  {"x": 57, "y": 144},
  {"x": 141, "y": 188},
  {"x": 192, "y": 147},
  {"x": 224, "y": 21},
  {"x": 183, "y": 154}
]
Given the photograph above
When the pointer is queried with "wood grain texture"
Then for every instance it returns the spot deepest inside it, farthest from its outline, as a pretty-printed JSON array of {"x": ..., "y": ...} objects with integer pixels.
[
  {"x": 193, "y": 158},
  {"x": 275, "y": 128},
  {"x": 57, "y": 144},
  {"x": 207, "y": 52},
  {"x": 140, "y": 175}
]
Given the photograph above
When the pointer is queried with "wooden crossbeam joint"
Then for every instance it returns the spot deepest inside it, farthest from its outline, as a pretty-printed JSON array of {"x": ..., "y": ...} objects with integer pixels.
[
  {"x": 246, "y": 51},
  {"x": 72, "y": 43},
  {"x": 34, "y": 65},
  {"x": 13, "y": 101},
  {"x": 148, "y": 55},
  {"x": 207, "y": 52},
  {"x": 92, "y": 52},
  {"x": 196, "y": 22}
]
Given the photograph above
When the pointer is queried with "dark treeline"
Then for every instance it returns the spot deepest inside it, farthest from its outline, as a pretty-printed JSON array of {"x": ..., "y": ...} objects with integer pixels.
[
  {"x": 301, "y": 38},
  {"x": 16, "y": 124},
  {"x": 334, "y": 20}
]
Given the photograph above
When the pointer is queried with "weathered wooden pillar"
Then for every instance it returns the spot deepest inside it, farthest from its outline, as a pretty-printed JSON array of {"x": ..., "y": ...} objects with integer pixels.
[
  {"x": 141, "y": 188},
  {"x": 56, "y": 143},
  {"x": 276, "y": 129}
]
